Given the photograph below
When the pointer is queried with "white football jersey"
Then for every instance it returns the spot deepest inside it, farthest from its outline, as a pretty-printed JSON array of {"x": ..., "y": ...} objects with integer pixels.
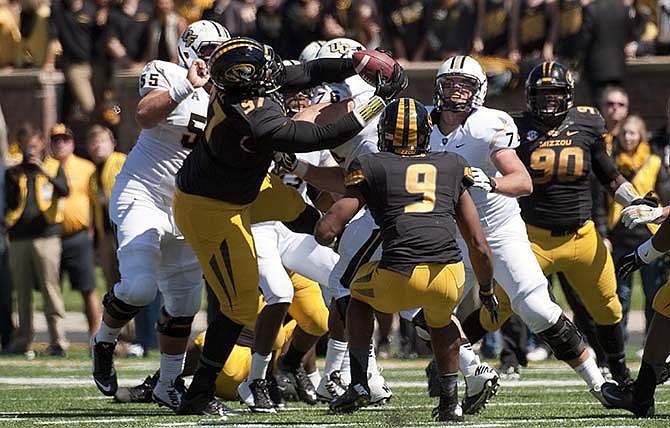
[
  {"x": 161, "y": 150},
  {"x": 353, "y": 87},
  {"x": 485, "y": 131},
  {"x": 317, "y": 158}
]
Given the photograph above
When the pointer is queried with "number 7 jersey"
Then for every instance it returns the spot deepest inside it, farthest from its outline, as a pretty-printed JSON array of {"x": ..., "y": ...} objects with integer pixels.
[
  {"x": 560, "y": 160},
  {"x": 161, "y": 150}
]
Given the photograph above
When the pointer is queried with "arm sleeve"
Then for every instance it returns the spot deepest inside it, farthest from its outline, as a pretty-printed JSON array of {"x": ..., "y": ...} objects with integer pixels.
[
  {"x": 53, "y": 26},
  {"x": 312, "y": 73},
  {"x": 603, "y": 167},
  {"x": 300, "y": 136},
  {"x": 60, "y": 183}
]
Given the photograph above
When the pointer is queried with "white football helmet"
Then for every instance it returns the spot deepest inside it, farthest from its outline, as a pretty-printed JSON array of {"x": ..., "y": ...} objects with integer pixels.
[
  {"x": 460, "y": 66},
  {"x": 339, "y": 48},
  {"x": 199, "y": 41},
  {"x": 309, "y": 52}
]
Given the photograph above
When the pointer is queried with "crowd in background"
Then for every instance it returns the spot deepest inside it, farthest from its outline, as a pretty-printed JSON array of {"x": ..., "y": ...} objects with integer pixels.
[{"x": 90, "y": 40}]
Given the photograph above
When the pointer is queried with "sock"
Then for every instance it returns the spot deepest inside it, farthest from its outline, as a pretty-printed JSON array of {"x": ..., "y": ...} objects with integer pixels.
[
  {"x": 449, "y": 387},
  {"x": 588, "y": 370},
  {"x": 334, "y": 356},
  {"x": 373, "y": 370},
  {"x": 171, "y": 366},
  {"x": 645, "y": 384},
  {"x": 345, "y": 369},
  {"x": 472, "y": 327},
  {"x": 314, "y": 377},
  {"x": 259, "y": 366},
  {"x": 106, "y": 333},
  {"x": 292, "y": 357},
  {"x": 359, "y": 358},
  {"x": 468, "y": 360}
]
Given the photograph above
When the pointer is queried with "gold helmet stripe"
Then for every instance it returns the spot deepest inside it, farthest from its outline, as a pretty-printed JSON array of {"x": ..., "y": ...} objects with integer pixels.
[
  {"x": 233, "y": 45},
  {"x": 399, "y": 124},
  {"x": 412, "y": 134}
]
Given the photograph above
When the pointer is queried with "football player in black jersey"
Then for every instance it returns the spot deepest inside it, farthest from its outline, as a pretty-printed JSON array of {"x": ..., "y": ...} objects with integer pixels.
[
  {"x": 417, "y": 198},
  {"x": 223, "y": 185},
  {"x": 561, "y": 145}
]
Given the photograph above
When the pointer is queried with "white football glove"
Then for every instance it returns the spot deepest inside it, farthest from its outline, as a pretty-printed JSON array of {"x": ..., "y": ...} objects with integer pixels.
[
  {"x": 634, "y": 215},
  {"x": 483, "y": 180}
]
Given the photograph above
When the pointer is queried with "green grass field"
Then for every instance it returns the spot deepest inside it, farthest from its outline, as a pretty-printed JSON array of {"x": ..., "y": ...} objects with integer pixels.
[{"x": 60, "y": 392}]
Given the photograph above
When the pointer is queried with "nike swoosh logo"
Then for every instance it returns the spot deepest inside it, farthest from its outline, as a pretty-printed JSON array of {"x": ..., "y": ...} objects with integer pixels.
[
  {"x": 103, "y": 387},
  {"x": 571, "y": 133},
  {"x": 460, "y": 145}
]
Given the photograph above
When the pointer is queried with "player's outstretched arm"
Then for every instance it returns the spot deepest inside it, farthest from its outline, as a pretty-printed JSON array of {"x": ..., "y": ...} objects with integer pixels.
[{"x": 515, "y": 181}]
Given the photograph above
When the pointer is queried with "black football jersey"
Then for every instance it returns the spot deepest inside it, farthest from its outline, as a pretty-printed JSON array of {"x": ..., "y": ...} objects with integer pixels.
[
  {"x": 559, "y": 161},
  {"x": 413, "y": 200}
]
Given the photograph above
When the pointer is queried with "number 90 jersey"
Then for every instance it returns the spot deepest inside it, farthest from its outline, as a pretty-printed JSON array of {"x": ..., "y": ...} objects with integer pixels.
[
  {"x": 484, "y": 132},
  {"x": 161, "y": 150},
  {"x": 560, "y": 160}
]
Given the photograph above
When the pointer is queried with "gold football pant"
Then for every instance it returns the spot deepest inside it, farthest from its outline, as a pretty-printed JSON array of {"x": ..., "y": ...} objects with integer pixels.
[
  {"x": 308, "y": 308},
  {"x": 220, "y": 235},
  {"x": 586, "y": 264},
  {"x": 436, "y": 288},
  {"x": 661, "y": 302}
]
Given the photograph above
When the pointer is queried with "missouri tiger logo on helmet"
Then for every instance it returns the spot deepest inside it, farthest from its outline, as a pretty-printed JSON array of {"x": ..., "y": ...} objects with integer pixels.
[
  {"x": 550, "y": 90},
  {"x": 404, "y": 128}
]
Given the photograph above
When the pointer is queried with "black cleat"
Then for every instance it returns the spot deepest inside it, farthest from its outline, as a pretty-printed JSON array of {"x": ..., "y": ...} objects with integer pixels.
[
  {"x": 622, "y": 397},
  {"x": 169, "y": 394},
  {"x": 203, "y": 403},
  {"x": 256, "y": 396},
  {"x": 137, "y": 394},
  {"x": 355, "y": 397},
  {"x": 447, "y": 411},
  {"x": 275, "y": 393},
  {"x": 104, "y": 373},
  {"x": 299, "y": 378}
]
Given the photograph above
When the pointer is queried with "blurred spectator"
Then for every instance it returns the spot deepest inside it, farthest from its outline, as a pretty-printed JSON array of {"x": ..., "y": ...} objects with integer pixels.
[
  {"x": 128, "y": 33},
  {"x": 192, "y": 9},
  {"x": 613, "y": 105},
  {"x": 660, "y": 139},
  {"x": 34, "y": 32},
  {"x": 102, "y": 61},
  {"x": 644, "y": 31},
  {"x": 270, "y": 26},
  {"x": 77, "y": 257},
  {"x": 494, "y": 18},
  {"x": 643, "y": 169},
  {"x": 238, "y": 16},
  {"x": 354, "y": 19},
  {"x": 570, "y": 22},
  {"x": 72, "y": 25},
  {"x": 10, "y": 34},
  {"x": 304, "y": 24},
  {"x": 33, "y": 192},
  {"x": 164, "y": 31},
  {"x": 534, "y": 26},
  {"x": 663, "y": 24},
  {"x": 404, "y": 30},
  {"x": 450, "y": 28},
  {"x": 607, "y": 27},
  {"x": 6, "y": 323}
]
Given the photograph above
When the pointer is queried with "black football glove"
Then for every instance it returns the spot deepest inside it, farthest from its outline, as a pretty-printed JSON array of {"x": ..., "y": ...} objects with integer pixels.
[
  {"x": 388, "y": 89},
  {"x": 629, "y": 264},
  {"x": 649, "y": 199},
  {"x": 489, "y": 301},
  {"x": 285, "y": 161},
  {"x": 384, "y": 51}
]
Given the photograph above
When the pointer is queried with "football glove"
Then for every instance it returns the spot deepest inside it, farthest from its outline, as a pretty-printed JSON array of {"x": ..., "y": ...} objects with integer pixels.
[
  {"x": 483, "y": 180},
  {"x": 388, "y": 89},
  {"x": 634, "y": 215},
  {"x": 489, "y": 300},
  {"x": 629, "y": 264},
  {"x": 286, "y": 161},
  {"x": 648, "y": 199}
]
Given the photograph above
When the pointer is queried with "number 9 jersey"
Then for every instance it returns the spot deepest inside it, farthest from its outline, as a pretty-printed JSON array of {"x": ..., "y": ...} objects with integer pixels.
[
  {"x": 560, "y": 160},
  {"x": 161, "y": 150}
]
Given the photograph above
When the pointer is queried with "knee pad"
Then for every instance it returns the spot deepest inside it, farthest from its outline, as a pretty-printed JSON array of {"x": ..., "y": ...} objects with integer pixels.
[
  {"x": 565, "y": 340},
  {"x": 173, "y": 326},
  {"x": 119, "y": 309}
]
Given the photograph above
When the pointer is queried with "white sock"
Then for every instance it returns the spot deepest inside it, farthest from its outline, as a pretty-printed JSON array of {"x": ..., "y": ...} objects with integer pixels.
[
  {"x": 589, "y": 371},
  {"x": 335, "y": 354},
  {"x": 468, "y": 360},
  {"x": 171, "y": 366},
  {"x": 106, "y": 333},
  {"x": 373, "y": 370},
  {"x": 259, "y": 366},
  {"x": 315, "y": 377},
  {"x": 345, "y": 370}
]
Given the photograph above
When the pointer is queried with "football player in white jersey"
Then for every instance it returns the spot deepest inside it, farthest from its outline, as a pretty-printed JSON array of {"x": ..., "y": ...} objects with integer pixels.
[
  {"x": 153, "y": 254},
  {"x": 486, "y": 138}
]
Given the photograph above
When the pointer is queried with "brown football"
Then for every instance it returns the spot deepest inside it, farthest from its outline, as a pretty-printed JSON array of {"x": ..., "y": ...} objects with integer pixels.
[{"x": 368, "y": 62}]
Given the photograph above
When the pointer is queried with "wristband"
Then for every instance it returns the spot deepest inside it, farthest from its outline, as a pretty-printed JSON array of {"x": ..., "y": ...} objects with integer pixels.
[
  {"x": 369, "y": 110},
  {"x": 486, "y": 289},
  {"x": 647, "y": 252},
  {"x": 626, "y": 194},
  {"x": 180, "y": 90},
  {"x": 300, "y": 169}
]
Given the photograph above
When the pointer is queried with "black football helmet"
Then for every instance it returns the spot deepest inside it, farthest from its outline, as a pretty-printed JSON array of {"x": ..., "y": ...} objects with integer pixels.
[
  {"x": 550, "y": 90},
  {"x": 404, "y": 128},
  {"x": 242, "y": 64}
]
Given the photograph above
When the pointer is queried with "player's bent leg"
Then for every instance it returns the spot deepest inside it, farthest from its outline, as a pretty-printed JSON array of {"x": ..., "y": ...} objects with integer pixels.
[
  {"x": 446, "y": 341},
  {"x": 276, "y": 201}
]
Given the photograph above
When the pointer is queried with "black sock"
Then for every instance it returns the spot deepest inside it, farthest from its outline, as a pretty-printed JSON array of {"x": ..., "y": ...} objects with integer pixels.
[
  {"x": 292, "y": 357},
  {"x": 473, "y": 328},
  {"x": 449, "y": 388},
  {"x": 645, "y": 384},
  {"x": 611, "y": 339},
  {"x": 358, "y": 360}
]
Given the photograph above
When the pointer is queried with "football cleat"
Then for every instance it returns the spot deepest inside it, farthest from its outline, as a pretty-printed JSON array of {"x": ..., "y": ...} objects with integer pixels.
[
  {"x": 275, "y": 393},
  {"x": 479, "y": 389},
  {"x": 447, "y": 411},
  {"x": 596, "y": 391},
  {"x": 204, "y": 403},
  {"x": 623, "y": 397},
  {"x": 380, "y": 392},
  {"x": 169, "y": 394},
  {"x": 355, "y": 397},
  {"x": 256, "y": 396},
  {"x": 300, "y": 380},
  {"x": 137, "y": 394},
  {"x": 104, "y": 373},
  {"x": 509, "y": 372},
  {"x": 330, "y": 387}
]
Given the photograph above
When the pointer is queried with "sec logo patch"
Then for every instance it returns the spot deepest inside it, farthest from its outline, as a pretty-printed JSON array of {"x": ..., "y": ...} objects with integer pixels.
[{"x": 532, "y": 135}]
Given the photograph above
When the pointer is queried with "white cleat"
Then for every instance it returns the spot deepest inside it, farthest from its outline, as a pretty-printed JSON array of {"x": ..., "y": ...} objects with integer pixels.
[
  {"x": 380, "y": 393},
  {"x": 168, "y": 394},
  {"x": 330, "y": 387},
  {"x": 479, "y": 388}
]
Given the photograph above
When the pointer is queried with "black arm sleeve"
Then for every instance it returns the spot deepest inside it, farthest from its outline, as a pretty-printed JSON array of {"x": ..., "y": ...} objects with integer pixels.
[
  {"x": 302, "y": 137},
  {"x": 60, "y": 183},
  {"x": 312, "y": 73},
  {"x": 603, "y": 167}
]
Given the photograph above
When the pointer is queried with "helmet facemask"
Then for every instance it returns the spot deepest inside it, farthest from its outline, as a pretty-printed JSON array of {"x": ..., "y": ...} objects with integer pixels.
[
  {"x": 549, "y": 102},
  {"x": 455, "y": 92}
]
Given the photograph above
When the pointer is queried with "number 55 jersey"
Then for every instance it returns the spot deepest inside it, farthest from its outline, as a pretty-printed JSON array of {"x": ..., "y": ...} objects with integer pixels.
[{"x": 559, "y": 160}]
